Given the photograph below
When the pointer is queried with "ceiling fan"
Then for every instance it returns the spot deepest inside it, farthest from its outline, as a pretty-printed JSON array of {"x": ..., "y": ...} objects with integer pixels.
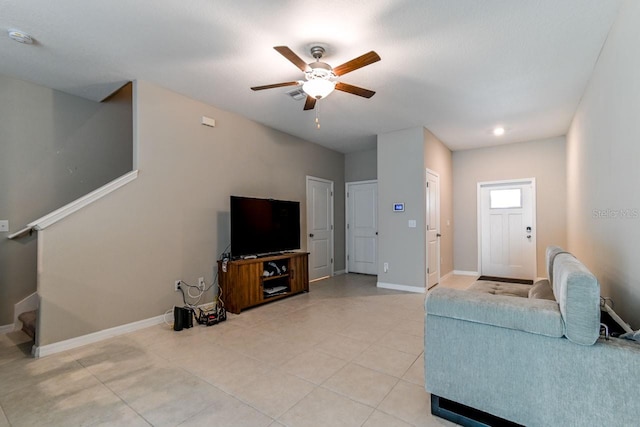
[{"x": 321, "y": 77}]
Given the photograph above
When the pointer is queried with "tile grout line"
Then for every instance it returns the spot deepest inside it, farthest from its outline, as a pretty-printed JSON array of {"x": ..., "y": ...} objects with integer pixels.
[{"x": 111, "y": 390}]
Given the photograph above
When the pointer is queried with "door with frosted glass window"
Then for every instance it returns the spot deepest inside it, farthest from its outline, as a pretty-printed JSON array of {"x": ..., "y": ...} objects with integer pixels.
[{"x": 507, "y": 229}]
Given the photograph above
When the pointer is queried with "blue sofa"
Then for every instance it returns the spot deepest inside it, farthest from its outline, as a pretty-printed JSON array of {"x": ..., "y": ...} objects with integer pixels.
[{"x": 532, "y": 360}]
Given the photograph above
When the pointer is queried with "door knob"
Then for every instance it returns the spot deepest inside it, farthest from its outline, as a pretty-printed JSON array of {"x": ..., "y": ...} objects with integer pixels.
[
  {"x": 438, "y": 235},
  {"x": 311, "y": 235},
  {"x": 528, "y": 236}
]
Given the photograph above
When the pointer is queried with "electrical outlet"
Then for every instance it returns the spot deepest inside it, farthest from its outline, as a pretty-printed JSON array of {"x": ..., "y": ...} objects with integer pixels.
[
  {"x": 176, "y": 285},
  {"x": 385, "y": 266},
  {"x": 201, "y": 283}
]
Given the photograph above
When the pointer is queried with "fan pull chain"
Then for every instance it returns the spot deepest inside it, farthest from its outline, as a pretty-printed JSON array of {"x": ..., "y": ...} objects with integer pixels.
[{"x": 318, "y": 115}]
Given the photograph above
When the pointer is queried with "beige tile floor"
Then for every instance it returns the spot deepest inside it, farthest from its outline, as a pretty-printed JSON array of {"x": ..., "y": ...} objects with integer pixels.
[{"x": 344, "y": 354}]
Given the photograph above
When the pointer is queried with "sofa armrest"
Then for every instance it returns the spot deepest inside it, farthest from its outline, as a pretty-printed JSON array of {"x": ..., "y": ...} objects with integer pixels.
[{"x": 535, "y": 316}]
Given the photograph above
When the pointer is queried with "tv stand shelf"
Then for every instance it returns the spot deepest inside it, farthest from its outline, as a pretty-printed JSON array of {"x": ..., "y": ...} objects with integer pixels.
[
  {"x": 266, "y": 279},
  {"x": 245, "y": 284}
]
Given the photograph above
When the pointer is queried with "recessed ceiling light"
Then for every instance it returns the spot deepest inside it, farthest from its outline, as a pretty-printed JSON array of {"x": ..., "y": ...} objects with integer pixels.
[
  {"x": 20, "y": 36},
  {"x": 499, "y": 131}
]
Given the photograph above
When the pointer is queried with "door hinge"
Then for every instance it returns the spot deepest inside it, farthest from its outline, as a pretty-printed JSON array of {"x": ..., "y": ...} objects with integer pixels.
[
  {"x": 331, "y": 260},
  {"x": 347, "y": 194},
  {"x": 347, "y": 226},
  {"x": 427, "y": 270},
  {"x": 427, "y": 184},
  {"x": 347, "y": 257},
  {"x": 332, "y": 194},
  {"x": 332, "y": 226}
]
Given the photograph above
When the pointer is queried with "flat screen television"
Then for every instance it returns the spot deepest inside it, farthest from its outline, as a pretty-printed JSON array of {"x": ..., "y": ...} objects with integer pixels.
[{"x": 263, "y": 226}]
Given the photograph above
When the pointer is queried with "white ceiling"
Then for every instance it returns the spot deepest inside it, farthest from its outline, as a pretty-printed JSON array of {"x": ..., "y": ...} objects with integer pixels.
[{"x": 456, "y": 67}]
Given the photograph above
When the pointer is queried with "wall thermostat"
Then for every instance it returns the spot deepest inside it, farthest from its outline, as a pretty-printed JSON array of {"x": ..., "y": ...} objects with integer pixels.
[{"x": 398, "y": 207}]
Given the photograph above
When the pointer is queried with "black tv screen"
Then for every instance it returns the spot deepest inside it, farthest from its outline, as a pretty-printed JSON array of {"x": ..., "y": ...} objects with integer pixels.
[{"x": 263, "y": 226}]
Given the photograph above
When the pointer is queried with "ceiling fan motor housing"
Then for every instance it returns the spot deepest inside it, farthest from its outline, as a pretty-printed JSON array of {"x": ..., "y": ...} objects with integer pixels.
[{"x": 319, "y": 70}]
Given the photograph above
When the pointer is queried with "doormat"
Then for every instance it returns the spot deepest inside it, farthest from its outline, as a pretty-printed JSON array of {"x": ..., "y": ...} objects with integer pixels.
[{"x": 506, "y": 280}]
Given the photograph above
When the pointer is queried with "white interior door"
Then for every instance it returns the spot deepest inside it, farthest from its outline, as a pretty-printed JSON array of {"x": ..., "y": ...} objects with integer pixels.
[
  {"x": 433, "y": 228},
  {"x": 507, "y": 229},
  {"x": 320, "y": 227},
  {"x": 362, "y": 227}
]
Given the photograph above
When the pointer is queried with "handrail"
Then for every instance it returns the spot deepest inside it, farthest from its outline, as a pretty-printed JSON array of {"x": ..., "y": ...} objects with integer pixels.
[
  {"x": 21, "y": 233},
  {"x": 68, "y": 209}
]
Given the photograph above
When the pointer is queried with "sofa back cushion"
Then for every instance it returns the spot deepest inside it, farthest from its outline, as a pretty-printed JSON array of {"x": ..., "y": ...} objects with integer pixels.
[
  {"x": 578, "y": 294},
  {"x": 551, "y": 253}
]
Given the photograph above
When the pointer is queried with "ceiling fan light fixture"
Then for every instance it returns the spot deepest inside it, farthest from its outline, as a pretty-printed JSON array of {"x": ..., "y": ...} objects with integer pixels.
[{"x": 318, "y": 88}]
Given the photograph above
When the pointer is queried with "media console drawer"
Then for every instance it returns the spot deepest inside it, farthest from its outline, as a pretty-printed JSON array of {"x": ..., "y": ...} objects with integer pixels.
[{"x": 250, "y": 282}]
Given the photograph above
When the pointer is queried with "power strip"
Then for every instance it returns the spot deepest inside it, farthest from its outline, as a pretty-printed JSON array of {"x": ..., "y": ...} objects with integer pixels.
[{"x": 211, "y": 317}]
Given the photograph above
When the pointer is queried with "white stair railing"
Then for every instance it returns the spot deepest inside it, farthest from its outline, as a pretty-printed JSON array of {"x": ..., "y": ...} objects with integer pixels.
[{"x": 63, "y": 212}]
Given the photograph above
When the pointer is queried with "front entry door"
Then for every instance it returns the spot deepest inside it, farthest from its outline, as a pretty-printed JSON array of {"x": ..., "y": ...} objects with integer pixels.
[
  {"x": 320, "y": 227},
  {"x": 362, "y": 227},
  {"x": 507, "y": 229}
]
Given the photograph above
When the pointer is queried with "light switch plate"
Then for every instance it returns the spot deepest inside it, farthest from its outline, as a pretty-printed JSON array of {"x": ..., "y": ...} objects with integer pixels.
[
  {"x": 412, "y": 223},
  {"x": 4, "y": 225}
]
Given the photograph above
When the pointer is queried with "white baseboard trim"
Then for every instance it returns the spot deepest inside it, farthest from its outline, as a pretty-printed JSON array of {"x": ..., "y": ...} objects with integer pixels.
[
  {"x": 339, "y": 272},
  {"x": 5, "y": 329},
  {"x": 466, "y": 273},
  {"x": 414, "y": 289},
  {"x": 45, "y": 350}
]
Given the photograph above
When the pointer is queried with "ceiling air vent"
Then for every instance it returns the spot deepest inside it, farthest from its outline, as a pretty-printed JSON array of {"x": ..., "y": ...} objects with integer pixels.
[{"x": 297, "y": 94}]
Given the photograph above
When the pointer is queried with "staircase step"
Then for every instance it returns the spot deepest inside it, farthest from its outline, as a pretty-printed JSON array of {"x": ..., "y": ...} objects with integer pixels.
[{"x": 28, "y": 319}]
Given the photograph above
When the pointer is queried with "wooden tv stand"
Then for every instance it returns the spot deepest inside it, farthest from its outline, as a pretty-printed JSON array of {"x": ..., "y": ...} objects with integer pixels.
[{"x": 245, "y": 285}]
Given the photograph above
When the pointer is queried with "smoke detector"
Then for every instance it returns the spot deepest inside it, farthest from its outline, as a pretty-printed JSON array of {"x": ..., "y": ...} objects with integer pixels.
[{"x": 20, "y": 36}]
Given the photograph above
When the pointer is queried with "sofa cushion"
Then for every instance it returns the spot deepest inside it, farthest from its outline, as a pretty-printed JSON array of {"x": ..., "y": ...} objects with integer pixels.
[
  {"x": 540, "y": 317},
  {"x": 500, "y": 288},
  {"x": 578, "y": 294},
  {"x": 542, "y": 290}
]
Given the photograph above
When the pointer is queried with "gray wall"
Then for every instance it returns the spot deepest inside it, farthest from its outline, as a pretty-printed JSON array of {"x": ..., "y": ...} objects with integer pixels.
[
  {"x": 402, "y": 158},
  {"x": 401, "y": 176},
  {"x": 544, "y": 160},
  {"x": 54, "y": 148},
  {"x": 603, "y": 149},
  {"x": 115, "y": 261},
  {"x": 361, "y": 165}
]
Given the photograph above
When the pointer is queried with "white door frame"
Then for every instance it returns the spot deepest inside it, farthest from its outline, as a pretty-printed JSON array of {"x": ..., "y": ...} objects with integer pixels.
[
  {"x": 309, "y": 177},
  {"x": 437, "y": 175},
  {"x": 346, "y": 216},
  {"x": 521, "y": 181}
]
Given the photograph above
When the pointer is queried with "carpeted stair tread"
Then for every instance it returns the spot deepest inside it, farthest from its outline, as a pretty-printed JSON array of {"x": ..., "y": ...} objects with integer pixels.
[{"x": 28, "y": 320}]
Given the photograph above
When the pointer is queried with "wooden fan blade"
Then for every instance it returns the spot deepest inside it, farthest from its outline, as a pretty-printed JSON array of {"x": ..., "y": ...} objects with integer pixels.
[
  {"x": 345, "y": 87},
  {"x": 354, "y": 64},
  {"x": 310, "y": 103},
  {"x": 275, "y": 85},
  {"x": 292, "y": 57}
]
